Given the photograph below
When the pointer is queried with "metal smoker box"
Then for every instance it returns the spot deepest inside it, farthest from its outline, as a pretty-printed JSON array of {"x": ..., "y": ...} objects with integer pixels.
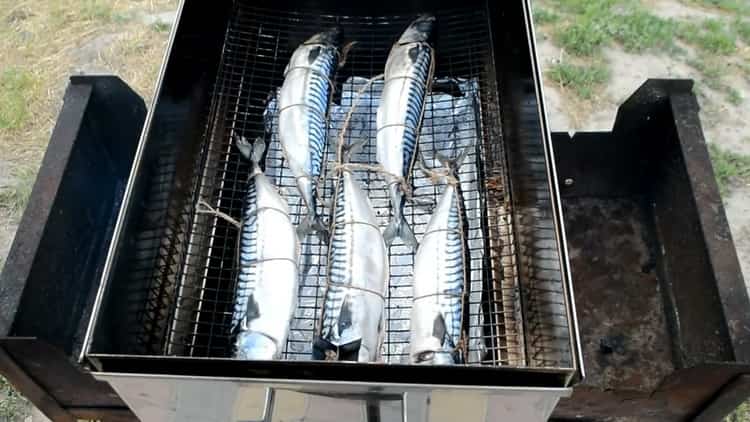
[{"x": 159, "y": 332}]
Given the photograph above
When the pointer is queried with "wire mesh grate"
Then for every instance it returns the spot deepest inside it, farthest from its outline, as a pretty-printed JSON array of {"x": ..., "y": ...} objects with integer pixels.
[{"x": 184, "y": 300}]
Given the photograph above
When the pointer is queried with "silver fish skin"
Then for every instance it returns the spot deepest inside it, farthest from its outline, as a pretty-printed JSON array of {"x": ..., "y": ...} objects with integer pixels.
[
  {"x": 407, "y": 73},
  {"x": 441, "y": 274},
  {"x": 269, "y": 252},
  {"x": 352, "y": 322},
  {"x": 303, "y": 106}
]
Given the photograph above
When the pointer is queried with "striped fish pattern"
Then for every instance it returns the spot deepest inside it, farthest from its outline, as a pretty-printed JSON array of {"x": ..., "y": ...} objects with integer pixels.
[
  {"x": 399, "y": 115},
  {"x": 352, "y": 320},
  {"x": 269, "y": 251},
  {"x": 303, "y": 106},
  {"x": 441, "y": 274}
]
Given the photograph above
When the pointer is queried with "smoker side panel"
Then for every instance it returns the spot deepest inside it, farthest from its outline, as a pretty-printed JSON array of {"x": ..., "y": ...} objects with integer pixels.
[
  {"x": 545, "y": 285},
  {"x": 55, "y": 264},
  {"x": 130, "y": 310}
]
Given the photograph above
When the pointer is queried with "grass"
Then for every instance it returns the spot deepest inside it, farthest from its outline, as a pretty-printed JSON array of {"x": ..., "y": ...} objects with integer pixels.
[
  {"x": 741, "y": 414},
  {"x": 602, "y": 22},
  {"x": 729, "y": 167},
  {"x": 588, "y": 26},
  {"x": 734, "y": 96},
  {"x": 15, "y": 196},
  {"x": 712, "y": 35},
  {"x": 742, "y": 27},
  {"x": 736, "y": 6},
  {"x": 544, "y": 16},
  {"x": 15, "y": 86},
  {"x": 99, "y": 10},
  {"x": 161, "y": 26},
  {"x": 13, "y": 406},
  {"x": 581, "y": 79},
  {"x": 640, "y": 31},
  {"x": 583, "y": 38}
]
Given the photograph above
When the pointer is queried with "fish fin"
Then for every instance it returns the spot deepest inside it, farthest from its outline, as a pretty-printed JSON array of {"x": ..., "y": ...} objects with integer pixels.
[
  {"x": 312, "y": 224},
  {"x": 414, "y": 53},
  {"x": 244, "y": 146},
  {"x": 313, "y": 54},
  {"x": 453, "y": 164},
  {"x": 399, "y": 228},
  {"x": 345, "y": 50},
  {"x": 259, "y": 148},
  {"x": 346, "y": 316},
  {"x": 325, "y": 350},
  {"x": 426, "y": 204},
  {"x": 252, "y": 152},
  {"x": 447, "y": 86},
  {"x": 353, "y": 148},
  {"x": 439, "y": 330},
  {"x": 253, "y": 310}
]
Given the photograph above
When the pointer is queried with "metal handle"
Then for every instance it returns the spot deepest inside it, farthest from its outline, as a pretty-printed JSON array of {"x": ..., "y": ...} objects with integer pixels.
[{"x": 267, "y": 408}]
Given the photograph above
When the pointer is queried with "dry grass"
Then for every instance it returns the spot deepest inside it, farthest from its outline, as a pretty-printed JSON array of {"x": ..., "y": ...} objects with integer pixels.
[{"x": 43, "y": 39}]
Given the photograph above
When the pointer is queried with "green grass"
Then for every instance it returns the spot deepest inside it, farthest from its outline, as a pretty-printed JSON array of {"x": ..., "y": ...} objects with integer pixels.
[
  {"x": 13, "y": 406},
  {"x": 594, "y": 24},
  {"x": 163, "y": 26},
  {"x": 640, "y": 31},
  {"x": 15, "y": 88},
  {"x": 743, "y": 29},
  {"x": 712, "y": 35},
  {"x": 583, "y": 38},
  {"x": 736, "y": 6},
  {"x": 741, "y": 414},
  {"x": 712, "y": 71},
  {"x": 98, "y": 10},
  {"x": 734, "y": 96},
  {"x": 582, "y": 80},
  {"x": 15, "y": 196},
  {"x": 729, "y": 167},
  {"x": 543, "y": 16}
]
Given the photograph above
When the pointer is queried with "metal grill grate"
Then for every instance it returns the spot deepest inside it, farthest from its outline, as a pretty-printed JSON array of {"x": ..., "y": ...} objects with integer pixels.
[{"x": 184, "y": 298}]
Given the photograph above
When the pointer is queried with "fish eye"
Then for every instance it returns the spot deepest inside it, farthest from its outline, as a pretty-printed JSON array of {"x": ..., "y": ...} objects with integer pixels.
[{"x": 426, "y": 356}]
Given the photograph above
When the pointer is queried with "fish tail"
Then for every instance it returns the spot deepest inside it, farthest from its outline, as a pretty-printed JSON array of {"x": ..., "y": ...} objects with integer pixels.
[
  {"x": 312, "y": 223},
  {"x": 453, "y": 164},
  {"x": 398, "y": 227},
  {"x": 251, "y": 151}
]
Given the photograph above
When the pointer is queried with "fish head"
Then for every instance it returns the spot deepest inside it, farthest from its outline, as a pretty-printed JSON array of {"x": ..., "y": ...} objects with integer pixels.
[
  {"x": 419, "y": 30},
  {"x": 434, "y": 358},
  {"x": 255, "y": 346},
  {"x": 330, "y": 37}
]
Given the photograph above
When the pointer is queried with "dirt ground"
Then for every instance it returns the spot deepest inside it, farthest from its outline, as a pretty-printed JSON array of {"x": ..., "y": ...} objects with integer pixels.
[
  {"x": 724, "y": 123},
  {"x": 127, "y": 38}
]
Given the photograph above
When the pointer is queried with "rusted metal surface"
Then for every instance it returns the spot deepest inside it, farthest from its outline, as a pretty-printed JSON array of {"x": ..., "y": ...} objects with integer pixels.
[
  {"x": 662, "y": 307},
  {"x": 31, "y": 389},
  {"x": 713, "y": 223},
  {"x": 628, "y": 345},
  {"x": 53, "y": 269},
  {"x": 731, "y": 396}
]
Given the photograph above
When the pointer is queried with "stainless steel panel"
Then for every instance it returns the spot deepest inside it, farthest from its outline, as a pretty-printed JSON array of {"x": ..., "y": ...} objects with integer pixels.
[{"x": 173, "y": 399}]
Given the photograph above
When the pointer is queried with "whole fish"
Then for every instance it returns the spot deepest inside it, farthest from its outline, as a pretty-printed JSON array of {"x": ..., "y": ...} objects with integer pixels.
[
  {"x": 441, "y": 273},
  {"x": 399, "y": 116},
  {"x": 352, "y": 321},
  {"x": 303, "y": 106},
  {"x": 268, "y": 256}
]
